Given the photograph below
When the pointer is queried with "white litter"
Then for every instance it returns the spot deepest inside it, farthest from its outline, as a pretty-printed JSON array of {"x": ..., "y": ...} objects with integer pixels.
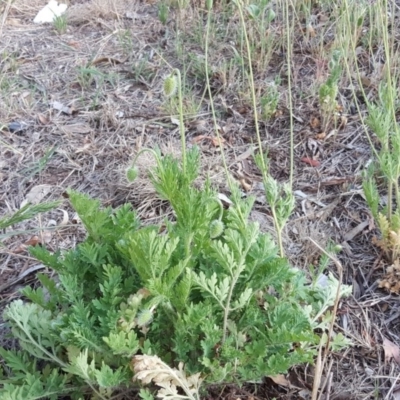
[{"x": 49, "y": 12}]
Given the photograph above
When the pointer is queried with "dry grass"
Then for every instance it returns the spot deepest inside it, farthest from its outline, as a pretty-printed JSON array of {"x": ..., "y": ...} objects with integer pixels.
[{"x": 108, "y": 69}]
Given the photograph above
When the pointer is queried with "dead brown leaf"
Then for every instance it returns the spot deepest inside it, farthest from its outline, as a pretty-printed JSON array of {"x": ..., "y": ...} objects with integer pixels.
[
  {"x": 74, "y": 44},
  {"x": 13, "y": 22},
  {"x": 392, "y": 351},
  {"x": 343, "y": 122},
  {"x": 43, "y": 119},
  {"x": 310, "y": 161},
  {"x": 336, "y": 180},
  {"x": 36, "y": 194},
  {"x": 144, "y": 292},
  {"x": 33, "y": 241},
  {"x": 355, "y": 231},
  {"x": 83, "y": 149},
  {"x": 246, "y": 184},
  {"x": 315, "y": 123},
  {"x": 249, "y": 152},
  {"x": 87, "y": 144},
  {"x": 62, "y": 108},
  {"x": 198, "y": 138},
  {"x": 76, "y": 128},
  {"x": 175, "y": 121},
  {"x": 366, "y": 82},
  {"x": 25, "y": 94},
  {"x": 311, "y": 31},
  {"x": 280, "y": 380},
  {"x": 217, "y": 141},
  {"x": 199, "y": 125},
  {"x": 320, "y": 136},
  {"x": 283, "y": 381},
  {"x": 107, "y": 60}
]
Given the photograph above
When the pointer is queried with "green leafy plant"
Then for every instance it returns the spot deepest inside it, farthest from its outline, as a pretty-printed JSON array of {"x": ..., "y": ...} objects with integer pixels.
[
  {"x": 328, "y": 92},
  {"x": 382, "y": 121},
  {"x": 125, "y": 40},
  {"x": 26, "y": 212},
  {"x": 163, "y": 12},
  {"x": 88, "y": 76},
  {"x": 261, "y": 15},
  {"x": 141, "y": 70},
  {"x": 35, "y": 168},
  {"x": 269, "y": 102},
  {"x": 208, "y": 291}
]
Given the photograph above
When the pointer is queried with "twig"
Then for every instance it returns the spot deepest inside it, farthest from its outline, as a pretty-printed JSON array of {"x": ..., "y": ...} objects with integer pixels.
[
  {"x": 328, "y": 389},
  {"x": 327, "y": 382},
  {"x": 318, "y": 373},
  {"x": 392, "y": 388}
]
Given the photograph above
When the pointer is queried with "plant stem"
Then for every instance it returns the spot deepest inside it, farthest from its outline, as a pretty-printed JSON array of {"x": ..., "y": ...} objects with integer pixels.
[
  {"x": 251, "y": 84},
  {"x": 155, "y": 155},
  {"x": 278, "y": 229},
  {"x": 289, "y": 77},
  {"x": 235, "y": 277},
  {"x": 389, "y": 201},
  {"x": 227, "y": 308},
  {"x": 181, "y": 124},
  {"x": 211, "y": 97}
]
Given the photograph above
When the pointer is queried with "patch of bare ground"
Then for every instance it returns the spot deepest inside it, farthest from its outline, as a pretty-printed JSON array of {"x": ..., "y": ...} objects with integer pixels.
[{"x": 86, "y": 101}]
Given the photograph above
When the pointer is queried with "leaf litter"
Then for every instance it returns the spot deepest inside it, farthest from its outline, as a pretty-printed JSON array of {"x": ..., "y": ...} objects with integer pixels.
[{"x": 116, "y": 116}]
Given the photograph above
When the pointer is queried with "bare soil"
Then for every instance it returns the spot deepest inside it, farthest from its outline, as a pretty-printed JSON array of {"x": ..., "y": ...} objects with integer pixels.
[{"x": 85, "y": 101}]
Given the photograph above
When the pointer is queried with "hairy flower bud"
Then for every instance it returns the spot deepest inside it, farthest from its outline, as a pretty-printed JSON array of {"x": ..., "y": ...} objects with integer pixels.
[
  {"x": 144, "y": 317},
  {"x": 132, "y": 174},
  {"x": 216, "y": 228},
  {"x": 170, "y": 85}
]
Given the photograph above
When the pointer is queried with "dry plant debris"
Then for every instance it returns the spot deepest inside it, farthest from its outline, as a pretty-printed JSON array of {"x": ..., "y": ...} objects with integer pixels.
[
  {"x": 151, "y": 369},
  {"x": 391, "y": 280}
]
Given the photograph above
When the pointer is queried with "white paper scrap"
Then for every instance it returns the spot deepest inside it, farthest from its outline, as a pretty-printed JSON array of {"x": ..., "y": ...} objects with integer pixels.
[{"x": 49, "y": 12}]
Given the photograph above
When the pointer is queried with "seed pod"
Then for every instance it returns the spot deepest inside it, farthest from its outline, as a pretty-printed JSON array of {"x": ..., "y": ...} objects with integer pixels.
[{"x": 216, "y": 228}]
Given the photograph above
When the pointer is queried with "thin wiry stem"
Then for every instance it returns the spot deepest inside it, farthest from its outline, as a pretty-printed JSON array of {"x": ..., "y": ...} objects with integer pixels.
[
  {"x": 181, "y": 123},
  {"x": 289, "y": 77},
  {"x": 214, "y": 118}
]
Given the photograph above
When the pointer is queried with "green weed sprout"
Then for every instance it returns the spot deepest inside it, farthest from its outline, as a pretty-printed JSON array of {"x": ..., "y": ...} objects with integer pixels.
[
  {"x": 60, "y": 23},
  {"x": 163, "y": 11},
  {"x": 328, "y": 92}
]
